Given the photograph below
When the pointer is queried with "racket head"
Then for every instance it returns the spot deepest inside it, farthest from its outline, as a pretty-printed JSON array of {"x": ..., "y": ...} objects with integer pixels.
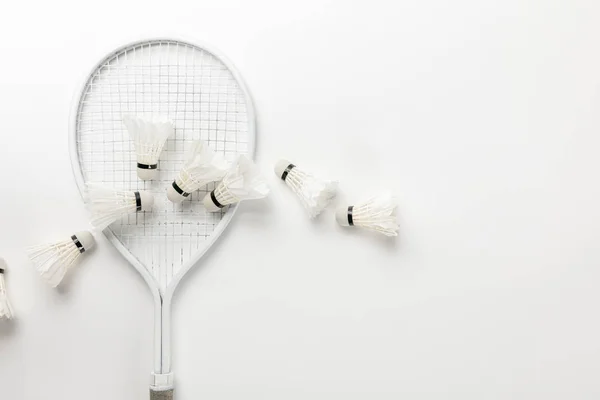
[{"x": 205, "y": 96}]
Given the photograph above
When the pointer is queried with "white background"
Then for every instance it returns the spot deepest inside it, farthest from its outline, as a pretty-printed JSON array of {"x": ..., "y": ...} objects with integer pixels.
[{"x": 481, "y": 117}]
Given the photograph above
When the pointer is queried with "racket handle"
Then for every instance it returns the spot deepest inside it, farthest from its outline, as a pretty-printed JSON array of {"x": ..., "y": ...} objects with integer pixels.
[{"x": 161, "y": 395}]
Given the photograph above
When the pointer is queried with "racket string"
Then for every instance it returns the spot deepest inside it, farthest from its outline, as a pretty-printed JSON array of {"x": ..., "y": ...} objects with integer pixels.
[{"x": 201, "y": 95}]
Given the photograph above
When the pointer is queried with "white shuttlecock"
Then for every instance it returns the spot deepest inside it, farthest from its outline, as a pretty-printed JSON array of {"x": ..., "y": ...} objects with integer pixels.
[
  {"x": 54, "y": 260},
  {"x": 315, "y": 194},
  {"x": 202, "y": 167},
  {"x": 5, "y": 308},
  {"x": 243, "y": 181},
  {"x": 149, "y": 136},
  {"x": 377, "y": 214},
  {"x": 107, "y": 205}
]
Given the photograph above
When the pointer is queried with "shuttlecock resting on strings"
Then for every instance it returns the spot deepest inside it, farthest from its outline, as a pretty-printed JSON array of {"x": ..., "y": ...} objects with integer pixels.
[
  {"x": 107, "y": 205},
  {"x": 54, "y": 260},
  {"x": 377, "y": 214},
  {"x": 314, "y": 193},
  {"x": 5, "y": 309},
  {"x": 203, "y": 166},
  {"x": 242, "y": 181},
  {"x": 149, "y": 136}
]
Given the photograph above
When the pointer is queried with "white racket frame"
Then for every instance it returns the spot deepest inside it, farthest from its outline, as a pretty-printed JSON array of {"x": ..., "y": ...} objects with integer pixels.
[{"x": 162, "y": 377}]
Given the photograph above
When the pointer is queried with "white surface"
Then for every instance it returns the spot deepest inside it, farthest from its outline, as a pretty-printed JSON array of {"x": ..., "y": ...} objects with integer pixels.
[{"x": 481, "y": 116}]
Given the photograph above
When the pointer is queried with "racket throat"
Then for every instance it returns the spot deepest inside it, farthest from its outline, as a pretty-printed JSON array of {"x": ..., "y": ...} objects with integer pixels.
[{"x": 161, "y": 382}]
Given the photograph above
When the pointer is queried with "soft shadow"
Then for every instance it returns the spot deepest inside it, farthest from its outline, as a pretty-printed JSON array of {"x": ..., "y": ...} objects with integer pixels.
[
  {"x": 64, "y": 287},
  {"x": 323, "y": 220},
  {"x": 251, "y": 212},
  {"x": 390, "y": 244},
  {"x": 260, "y": 206},
  {"x": 204, "y": 264},
  {"x": 130, "y": 272},
  {"x": 8, "y": 327}
]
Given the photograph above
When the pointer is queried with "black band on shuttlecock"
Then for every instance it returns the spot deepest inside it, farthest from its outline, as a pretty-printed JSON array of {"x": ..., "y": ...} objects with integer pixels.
[
  {"x": 350, "y": 220},
  {"x": 77, "y": 243},
  {"x": 138, "y": 201},
  {"x": 287, "y": 171},
  {"x": 1, "y": 270},
  {"x": 147, "y": 166},
  {"x": 180, "y": 190},
  {"x": 214, "y": 200}
]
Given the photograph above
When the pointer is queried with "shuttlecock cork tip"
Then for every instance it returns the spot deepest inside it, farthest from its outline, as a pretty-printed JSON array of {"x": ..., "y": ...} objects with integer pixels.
[
  {"x": 147, "y": 174},
  {"x": 341, "y": 216},
  {"x": 209, "y": 204},
  {"x": 147, "y": 200},
  {"x": 86, "y": 239},
  {"x": 3, "y": 265},
  {"x": 281, "y": 167},
  {"x": 173, "y": 195}
]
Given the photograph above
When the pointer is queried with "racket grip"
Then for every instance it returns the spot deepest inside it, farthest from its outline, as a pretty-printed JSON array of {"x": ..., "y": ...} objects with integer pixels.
[{"x": 161, "y": 394}]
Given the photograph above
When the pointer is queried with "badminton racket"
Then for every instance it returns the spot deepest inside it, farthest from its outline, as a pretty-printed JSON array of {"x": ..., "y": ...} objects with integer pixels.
[{"x": 205, "y": 97}]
